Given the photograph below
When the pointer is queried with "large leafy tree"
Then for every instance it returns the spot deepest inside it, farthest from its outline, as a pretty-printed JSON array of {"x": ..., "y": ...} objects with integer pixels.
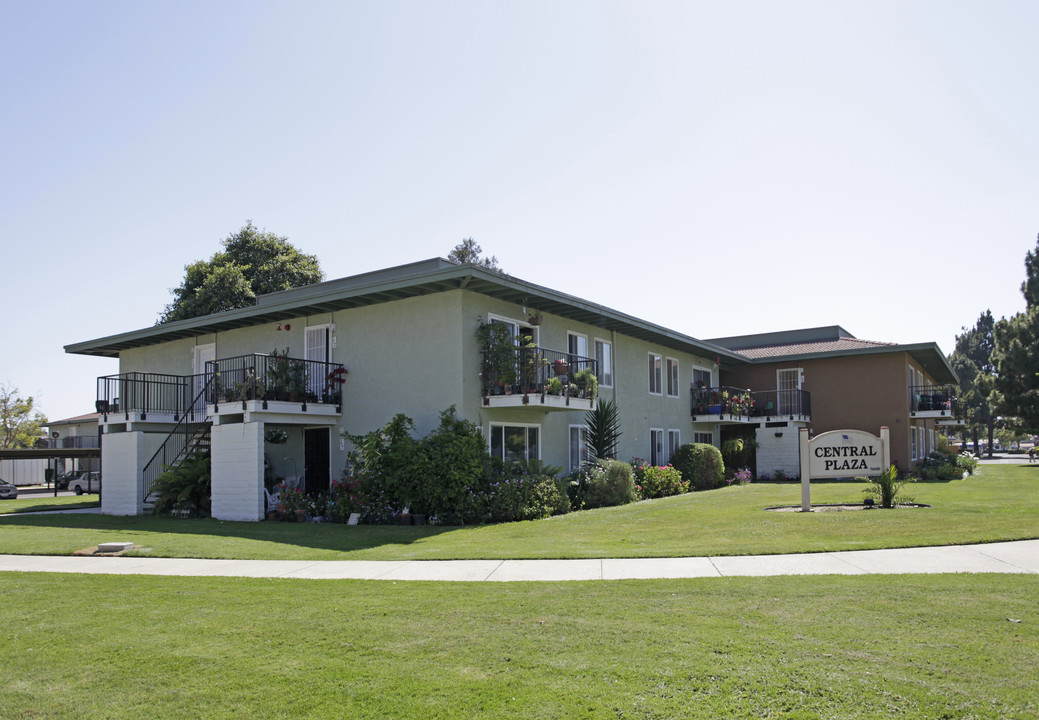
[
  {"x": 20, "y": 421},
  {"x": 468, "y": 251},
  {"x": 972, "y": 361},
  {"x": 1015, "y": 355},
  {"x": 252, "y": 263}
]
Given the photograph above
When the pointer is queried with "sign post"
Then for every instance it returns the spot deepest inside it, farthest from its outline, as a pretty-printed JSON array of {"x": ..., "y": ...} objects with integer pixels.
[{"x": 841, "y": 453}]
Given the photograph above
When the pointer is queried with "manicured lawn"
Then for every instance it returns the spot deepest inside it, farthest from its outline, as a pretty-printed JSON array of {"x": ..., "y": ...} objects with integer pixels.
[
  {"x": 36, "y": 503},
  {"x": 1001, "y": 502},
  {"x": 823, "y": 647}
]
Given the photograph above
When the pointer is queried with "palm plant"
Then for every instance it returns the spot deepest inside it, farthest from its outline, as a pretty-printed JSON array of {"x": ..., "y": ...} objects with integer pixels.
[{"x": 603, "y": 429}]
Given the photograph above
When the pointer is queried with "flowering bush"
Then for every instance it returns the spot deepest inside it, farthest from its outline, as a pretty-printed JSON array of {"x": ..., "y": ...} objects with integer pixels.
[
  {"x": 740, "y": 477},
  {"x": 345, "y": 497},
  {"x": 292, "y": 499},
  {"x": 659, "y": 481}
]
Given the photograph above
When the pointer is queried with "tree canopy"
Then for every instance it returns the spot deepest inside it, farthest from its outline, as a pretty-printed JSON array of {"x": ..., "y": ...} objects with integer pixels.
[
  {"x": 972, "y": 361},
  {"x": 253, "y": 262},
  {"x": 1015, "y": 355},
  {"x": 20, "y": 421},
  {"x": 468, "y": 251}
]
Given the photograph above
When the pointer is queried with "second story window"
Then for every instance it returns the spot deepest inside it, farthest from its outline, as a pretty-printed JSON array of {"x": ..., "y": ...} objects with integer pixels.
[
  {"x": 604, "y": 362},
  {"x": 654, "y": 375},
  {"x": 672, "y": 377}
]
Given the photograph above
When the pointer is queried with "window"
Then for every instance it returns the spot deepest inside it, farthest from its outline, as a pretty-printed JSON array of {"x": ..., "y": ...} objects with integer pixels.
[
  {"x": 515, "y": 443},
  {"x": 704, "y": 438},
  {"x": 931, "y": 443},
  {"x": 654, "y": 374},
  {"x": 579, "y": 454},
  {"x": 577, "y": 344},
  {"x": 672, "y": 377},
  {"x": 912, "y": 442},
  {"x": 701, "y": 377},
  {"x": 604, "y": 360},
  {"x": 674, "y": 441},
  {"x": 656, "y": 447}
]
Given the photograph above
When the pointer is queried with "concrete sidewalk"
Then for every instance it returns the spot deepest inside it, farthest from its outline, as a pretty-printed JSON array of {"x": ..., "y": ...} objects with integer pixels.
[{"x": 1010, "y": 557}]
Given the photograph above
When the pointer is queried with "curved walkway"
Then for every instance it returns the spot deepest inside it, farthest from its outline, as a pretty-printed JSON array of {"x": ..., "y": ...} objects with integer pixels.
[{"x": 1021, "y": 556}]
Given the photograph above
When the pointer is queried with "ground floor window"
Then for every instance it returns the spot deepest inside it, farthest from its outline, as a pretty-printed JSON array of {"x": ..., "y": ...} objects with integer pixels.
[
  {"x": 515, "y": 443},
  {"x": 656, "y": 447},
  {"x": 674, "y": 441},
  {"x": 579, "y": 454},
  {"x": 912, "y": 442},
  {"x": 703, "y": 438}
]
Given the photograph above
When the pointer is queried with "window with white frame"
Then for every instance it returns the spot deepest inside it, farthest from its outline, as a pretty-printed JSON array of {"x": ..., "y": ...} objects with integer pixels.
[
  {"x": 656, "y": 446},
  {"x": 931, "y": 442},
  {"x": 577, "y": 344},
  {"x": 579, "y": 455},
  {"x": 701, "y": 377},
  {"x": 654, "y": 375},
  {"x": 604, "y": 362},
  {"x": 703, "y": 438},
  {"x": 674, "y": 441},
  {"x": 912, "y": 442},
  {"x": 672, "y": 377},
  {"x": 515, "y": 443}
]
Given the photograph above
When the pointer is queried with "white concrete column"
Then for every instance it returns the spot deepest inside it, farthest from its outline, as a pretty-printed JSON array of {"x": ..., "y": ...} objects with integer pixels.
[
  {"x": 122, "y": 482},
  {"x": 237, "y": 467}
]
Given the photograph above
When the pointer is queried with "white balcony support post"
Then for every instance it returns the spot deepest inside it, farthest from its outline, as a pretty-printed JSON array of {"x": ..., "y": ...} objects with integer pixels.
[{"x": 237, "y": 469}]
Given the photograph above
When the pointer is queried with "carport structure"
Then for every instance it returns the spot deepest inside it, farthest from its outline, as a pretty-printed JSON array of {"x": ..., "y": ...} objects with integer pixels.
[{"x": 51, "y": 453}]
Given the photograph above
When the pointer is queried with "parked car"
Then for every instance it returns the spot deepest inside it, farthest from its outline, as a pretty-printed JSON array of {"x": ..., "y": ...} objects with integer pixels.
[
  {"x": 7, "y": 490},
  {"x": 86, "y": 483},
  {"x": 63, "y": 480}
]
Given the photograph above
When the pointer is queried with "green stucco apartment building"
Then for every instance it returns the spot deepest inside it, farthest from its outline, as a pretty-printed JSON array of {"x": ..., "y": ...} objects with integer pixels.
[{"x": 270, "y": 390}]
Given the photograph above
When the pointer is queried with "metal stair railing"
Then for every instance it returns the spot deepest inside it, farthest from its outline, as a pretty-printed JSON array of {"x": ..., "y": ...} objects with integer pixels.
[{"x": 184, "y": 439}]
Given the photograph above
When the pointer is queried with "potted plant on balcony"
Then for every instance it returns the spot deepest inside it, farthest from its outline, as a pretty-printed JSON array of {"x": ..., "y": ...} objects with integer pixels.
[
  {"x": 499, "y": 356},
  {"x": 535, "y": 318},
  {"x": 286, "y": 376},
  {"x": 334, "y": 384},
  {"x": 587, "y": 384}
]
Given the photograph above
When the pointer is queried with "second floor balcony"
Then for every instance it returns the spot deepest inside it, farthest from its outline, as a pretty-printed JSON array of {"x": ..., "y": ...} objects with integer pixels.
[
  {"x": 230, "y": 385},
  {"x": 533, "y": 376},
  {"x": 730, "y": 405},
  {"x": 933, "y": 401}
]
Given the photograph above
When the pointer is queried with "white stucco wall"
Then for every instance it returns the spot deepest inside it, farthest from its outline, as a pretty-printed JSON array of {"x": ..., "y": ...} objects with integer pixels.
[
  {"x": 122, "y": 483},
  {"x": 237, "y": 471},
  {"x": 778, "y": 453}
]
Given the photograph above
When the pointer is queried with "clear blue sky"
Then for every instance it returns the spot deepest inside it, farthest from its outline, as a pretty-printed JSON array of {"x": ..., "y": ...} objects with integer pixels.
[{"x": 717, "y": 168}]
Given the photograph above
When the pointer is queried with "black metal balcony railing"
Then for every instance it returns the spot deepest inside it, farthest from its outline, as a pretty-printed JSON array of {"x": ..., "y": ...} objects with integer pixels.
[
  {"x": 933, "y": 398},
  {"x": 742, "y": 402},
  {"x": 247, "y": 377},
  {"x": 142, "y": 393},
  {"x": 275, "y": 377},
  {"x": 537, "y": 370}
]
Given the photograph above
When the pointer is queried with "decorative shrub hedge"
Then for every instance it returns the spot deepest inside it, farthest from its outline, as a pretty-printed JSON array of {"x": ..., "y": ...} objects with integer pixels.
[{"x": 700, "y": 465}]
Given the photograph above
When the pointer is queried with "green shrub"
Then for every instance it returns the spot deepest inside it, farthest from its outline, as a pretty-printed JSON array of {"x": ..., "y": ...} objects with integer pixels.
[
  {"x": 451, "y": 465},
  {"x": 185, "y": 488},
  {"x": 700, "y": 465},
  {"x": 605, "y": 484},
  {"x": 967, "y": 463},
  {"x": 659, "y": 481},
  {"x": 940, "y": 466},
  {"x": 384, "y": 462}
]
